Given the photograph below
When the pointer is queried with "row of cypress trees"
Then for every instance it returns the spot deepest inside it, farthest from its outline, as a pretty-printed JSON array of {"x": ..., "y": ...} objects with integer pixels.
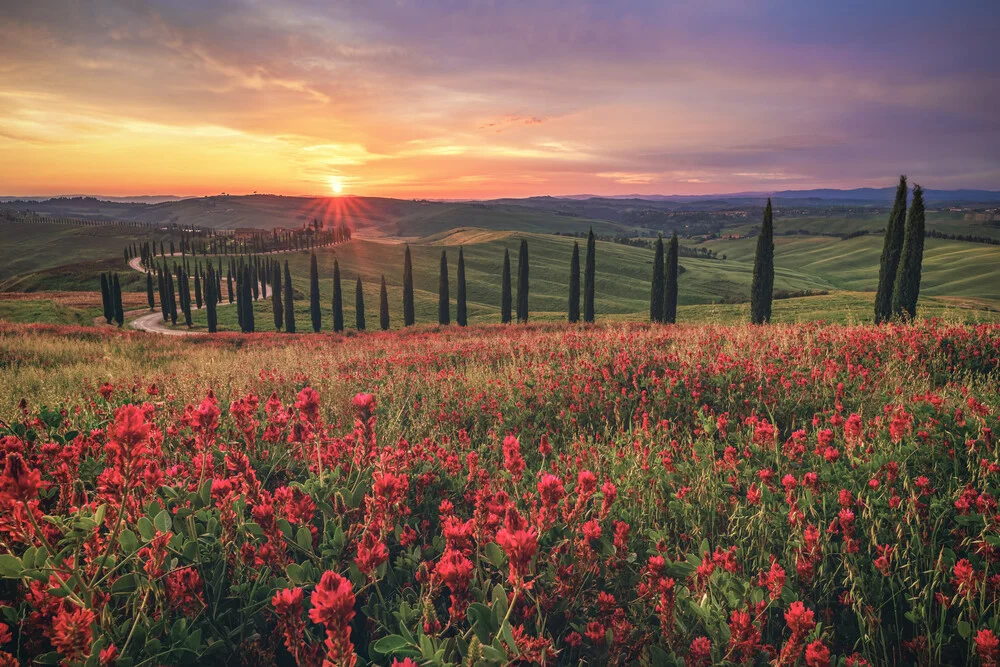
[
  {"x": 902, "y": 257},
  {"x": 111, "y": 299}
]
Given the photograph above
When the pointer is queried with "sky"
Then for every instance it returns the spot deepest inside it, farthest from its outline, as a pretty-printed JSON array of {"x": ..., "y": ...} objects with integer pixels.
[{"x": 485, "y": 98}]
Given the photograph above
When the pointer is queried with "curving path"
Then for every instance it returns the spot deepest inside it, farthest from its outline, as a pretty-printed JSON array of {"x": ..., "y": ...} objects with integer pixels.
[{"x": 153, "y": 321}]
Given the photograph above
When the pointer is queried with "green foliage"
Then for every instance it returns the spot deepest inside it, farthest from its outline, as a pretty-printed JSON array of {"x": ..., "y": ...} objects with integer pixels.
[
  {"x": 762, "y": 287},
  {"x": 892, "y": 247}
]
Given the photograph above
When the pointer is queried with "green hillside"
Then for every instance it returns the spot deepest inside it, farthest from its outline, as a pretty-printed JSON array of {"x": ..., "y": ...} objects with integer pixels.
[{"x": 951, "y": 268}]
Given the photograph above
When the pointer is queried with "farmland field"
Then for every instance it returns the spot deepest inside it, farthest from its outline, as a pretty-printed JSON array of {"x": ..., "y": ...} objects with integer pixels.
[{"x": 601, "y": 494}]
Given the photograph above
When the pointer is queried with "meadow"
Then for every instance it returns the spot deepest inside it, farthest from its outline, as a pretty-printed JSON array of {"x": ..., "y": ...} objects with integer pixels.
[{"x": 543, "y": 493}]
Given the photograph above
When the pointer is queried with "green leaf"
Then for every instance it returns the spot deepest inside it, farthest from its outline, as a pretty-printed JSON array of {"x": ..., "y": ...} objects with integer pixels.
[
  {"x": 491, "y": 653},
  {"x": 146, "y": 529},
  {"x": 964, "y": 629},
  {"x": 295, "y": 573},
  {"x": 304, "y": 538},
  {"x": 10, "y": 566},
  {"x": 163, "y": 521},
  {"x": 658, "y": 657},
  {"x": 128, "y": 541},
  {"x": 388, "y": 645},
  {"x": 205, "y": 493},
  {"x": 481, "y": 618},
  {"x": 494, "y": 554},
  {"x": 124, "y": 584},
  {"x": 508, "y": 637}
]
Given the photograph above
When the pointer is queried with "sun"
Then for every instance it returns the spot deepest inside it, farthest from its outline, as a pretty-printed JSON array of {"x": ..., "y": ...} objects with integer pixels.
[{"x": 336, "y": 185}]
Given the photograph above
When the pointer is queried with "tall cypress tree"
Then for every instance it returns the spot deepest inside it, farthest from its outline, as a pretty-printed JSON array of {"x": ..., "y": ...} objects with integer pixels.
[
  {"x": 444, "y": 298},
  {"x": 149, "y": 290},
  {"x": 163, "y": 295},
  {"x": 522, "y": 282},
  {"x": 762, "y": 287},
  {"x": 185, "y": 288},
  {"x": 656, "y": 292},
  {"x": 197, "y": 286},
  {"x": 248, "y": 292},
  {"x": 229, "y": 283},
  {"x": 107, "y": 300},
  {"x": 574, "y": 284},
  {"x": 338, "y": 299},
  {"x": 172, "y": 298},
  {"x": 590, "y": 278},
  {"x": 907, "y": 288},
  {"x": 277, "y": 309},
  {"x": 670, "y": 282},
  {"x": 359, "y": 306},
  {"x": 383, "y": 307},
  {"x": 460, "y": 310},
  {"x": 211, "y": 300},
  {"x": 409, "y": 312},
  {"x": 314, "y": 311},
  {"x": 892, "y": 249},
  {"x": 505, "y": 296},
  {"x": 119, "y": 310},
  {"x": 289, "y": 302}
]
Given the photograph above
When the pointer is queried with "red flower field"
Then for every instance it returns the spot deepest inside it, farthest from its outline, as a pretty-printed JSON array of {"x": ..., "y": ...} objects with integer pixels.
[{"x": 781, "y": 495}]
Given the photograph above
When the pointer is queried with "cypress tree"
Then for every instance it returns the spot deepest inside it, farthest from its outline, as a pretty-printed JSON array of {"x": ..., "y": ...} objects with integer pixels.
[
  {"x": 119, "y": 310},
  {"x": 229, "y": 283},
  {"x": 276, "y": 306},
  {"x": 359, "y": 306},
  {"x": 289, "y": 302},
  {"x": 670, "y": 283},
  {"x": 106, "y": 299},
  {"x": 590, "y": 278},
  {"x": 338, "y": 299},
  {"x": 163, "y": 295},
  {"x": 762, "y": 287},
  {"x": 197, "y": 287},
  {"x": 314, "y": 311},
  {"x": 149, "y": 290},
  {"x": 444, "y": 299},
  {"x": 892, "y": 249},
  {"x": 172, "y": 297},
  {"x": 211, "y": 301},
  {"x": 254, "y": 283},
  {"x": 907, "y": 288},
  {"x": 185, "y": 288},
  {"x": 656, "y": 293},
  {"x": 409, "y": 314},
  {"x": 574, "y": 284},
  {"x": 461, "y": 315},
  {"x": 505, "y": 296},
  {"x": 383, "y": 307},
  {"x": 248, "y": 314},
  {"x": 522, "y": 282}
]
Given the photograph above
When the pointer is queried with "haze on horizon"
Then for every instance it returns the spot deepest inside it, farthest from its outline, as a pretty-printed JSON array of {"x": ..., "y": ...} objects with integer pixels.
[{"x": 486, "y": 99}]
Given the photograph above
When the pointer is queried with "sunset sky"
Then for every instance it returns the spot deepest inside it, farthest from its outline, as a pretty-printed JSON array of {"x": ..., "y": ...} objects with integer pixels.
[{"x": 469, "y": 98}]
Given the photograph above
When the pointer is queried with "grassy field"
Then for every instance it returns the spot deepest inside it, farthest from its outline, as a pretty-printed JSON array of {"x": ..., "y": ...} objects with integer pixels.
[
  {"x": 946, "y": 222},
  {"x": 950, "y": 268},
  {"x": 36, "y": 247}
]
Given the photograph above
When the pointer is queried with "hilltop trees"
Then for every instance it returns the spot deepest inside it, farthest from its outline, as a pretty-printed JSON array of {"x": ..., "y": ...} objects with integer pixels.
[
  {"x": 409, "y": 311},
  {"x": 656, "y": 292},
  {"x": 590, "y": 278},
  {"x": 359, "y": 306},
  {"x": 670, "y": 282},
  {"x": 906, "y": 290},
  {"x": 461, "y": 315},
  {"x": 892, "y": 248},
  {"x": 289, "y": 302},
  {"x": 505, "y": 296},
  {"x": 338, "y": 299},
  {"x": 574, "y": 284},
  {"x": 762, "y": 287},
  {"x": 383, "y": 307},
  {"x": 444, "y": 301},
  {"x": 522, "y": 282},
  {"x": 314, "y": 311}
]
